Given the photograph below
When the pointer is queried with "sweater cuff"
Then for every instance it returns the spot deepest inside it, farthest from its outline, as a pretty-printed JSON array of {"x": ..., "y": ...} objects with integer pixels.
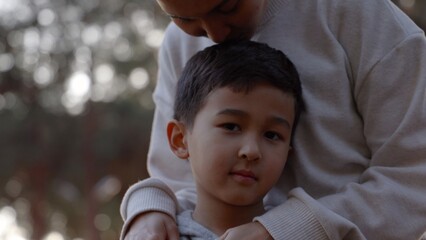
[
  {"x": 292, "y": 220},
  {"x": 145, "y": 196}
]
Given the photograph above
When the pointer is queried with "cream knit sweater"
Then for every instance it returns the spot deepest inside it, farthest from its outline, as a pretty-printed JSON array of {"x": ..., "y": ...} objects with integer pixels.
[{"x": 359, "y": 168}]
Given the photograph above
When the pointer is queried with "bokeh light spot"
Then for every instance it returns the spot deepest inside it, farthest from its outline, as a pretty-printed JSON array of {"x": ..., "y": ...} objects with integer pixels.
[
  {"x": 139, "y": 78},
  {"x": 107, "y": 188},
  {"x": 54, "y": 236},
  {"x": 122, "y": 51},
  {"x": 104, "y": 73},
  {"x": 102, "y": 222},
  {"x": 13, "y": 188},
  {"x": 154, "y": 38},
  {"x": 407, "y": 3},
  {"x": 77, "y": 91},
  {"x": 43, "y": 75},
  {"x": 46, "y": 17},
  {"x": 91, "y": 35},
  {"x": 7, "y": 61}
]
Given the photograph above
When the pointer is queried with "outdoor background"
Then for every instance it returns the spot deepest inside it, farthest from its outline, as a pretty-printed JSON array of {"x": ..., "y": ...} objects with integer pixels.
[{"x": 76, "y": 78}]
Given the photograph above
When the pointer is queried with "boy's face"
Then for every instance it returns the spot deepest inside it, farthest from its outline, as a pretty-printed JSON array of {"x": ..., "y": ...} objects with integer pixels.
[
  {"x": 219, "y": 20},
  {"x": 239, "y": 143}
]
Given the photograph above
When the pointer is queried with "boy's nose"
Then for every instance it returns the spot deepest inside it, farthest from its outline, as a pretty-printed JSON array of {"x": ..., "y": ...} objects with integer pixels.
[{"x": 250, "y": 151}]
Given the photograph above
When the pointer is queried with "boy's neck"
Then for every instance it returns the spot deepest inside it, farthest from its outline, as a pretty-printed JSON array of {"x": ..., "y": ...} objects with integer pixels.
[{"x": 218, "y": 216}]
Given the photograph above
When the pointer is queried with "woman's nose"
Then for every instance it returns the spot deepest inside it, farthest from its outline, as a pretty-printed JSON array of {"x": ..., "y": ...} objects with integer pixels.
[{"x": 217, "y": 31}]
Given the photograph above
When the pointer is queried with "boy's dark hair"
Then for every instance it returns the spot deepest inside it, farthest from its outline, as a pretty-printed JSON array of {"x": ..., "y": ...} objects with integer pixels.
[{"x": 238, "y": 65}]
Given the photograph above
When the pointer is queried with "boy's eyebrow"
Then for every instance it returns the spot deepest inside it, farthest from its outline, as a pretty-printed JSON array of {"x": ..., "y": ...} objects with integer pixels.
[
  {"x": 230, "y": 111},
  {"x": 236, "y": 112},
  {"x": 192, "y": 18}
]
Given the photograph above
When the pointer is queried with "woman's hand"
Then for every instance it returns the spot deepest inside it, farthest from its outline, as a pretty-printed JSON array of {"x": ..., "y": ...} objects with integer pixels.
[
  {"x": 153, "y": 226},
  {"x": 248, "y": 231}
]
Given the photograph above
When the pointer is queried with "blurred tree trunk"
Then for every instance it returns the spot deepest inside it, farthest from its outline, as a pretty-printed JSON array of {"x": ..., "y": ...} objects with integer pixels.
[
  {"x": 38, "y": 177},
  {"x": 38, "y": 171},
  {"x": 89, "y": 162}
]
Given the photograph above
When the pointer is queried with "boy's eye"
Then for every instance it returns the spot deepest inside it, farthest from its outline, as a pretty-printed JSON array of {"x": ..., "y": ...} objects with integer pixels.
[
  {"x": 231, "y": 127},
  {"x": 273, "y": 136}
]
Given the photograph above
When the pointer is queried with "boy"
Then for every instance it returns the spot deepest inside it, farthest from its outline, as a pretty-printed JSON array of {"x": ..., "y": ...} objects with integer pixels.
[{"x": 236, "y": 145}]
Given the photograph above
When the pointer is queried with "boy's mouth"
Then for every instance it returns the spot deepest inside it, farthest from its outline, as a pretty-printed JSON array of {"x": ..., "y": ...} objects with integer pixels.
[{"x": 244, "y": 176}]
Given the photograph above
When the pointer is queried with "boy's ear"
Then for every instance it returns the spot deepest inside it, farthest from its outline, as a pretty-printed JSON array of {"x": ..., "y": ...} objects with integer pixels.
[
  {"x": 290, "y": 152},
  {"x": 176, "y": 134}
]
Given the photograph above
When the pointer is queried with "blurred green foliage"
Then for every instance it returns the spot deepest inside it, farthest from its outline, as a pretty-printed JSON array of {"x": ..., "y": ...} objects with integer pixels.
[{"x": 76, "y": 79}]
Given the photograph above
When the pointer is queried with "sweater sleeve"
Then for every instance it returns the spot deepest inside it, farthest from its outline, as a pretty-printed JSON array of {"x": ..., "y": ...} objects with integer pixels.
[
  {"x": 148, "y": 195},
  {"x": 388, "y": 201},
  {"x": 302, "y": 217}
]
